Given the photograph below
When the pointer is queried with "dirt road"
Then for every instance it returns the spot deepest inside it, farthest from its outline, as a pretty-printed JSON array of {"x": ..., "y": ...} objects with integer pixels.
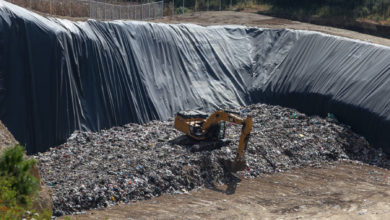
[
  {"x": 253, "y": 19},
  {"x": 338, "y": 191}
]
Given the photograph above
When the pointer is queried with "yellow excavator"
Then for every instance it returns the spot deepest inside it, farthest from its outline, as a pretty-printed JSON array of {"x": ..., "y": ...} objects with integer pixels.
[{"x": 203, "y": 127}]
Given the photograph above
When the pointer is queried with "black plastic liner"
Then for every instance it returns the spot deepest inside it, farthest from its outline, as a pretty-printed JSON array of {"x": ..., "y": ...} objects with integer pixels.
[{"x": 57, "y": 76}]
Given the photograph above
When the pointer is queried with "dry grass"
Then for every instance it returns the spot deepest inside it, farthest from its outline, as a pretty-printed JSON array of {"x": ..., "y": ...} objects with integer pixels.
[
  {"x": 250, "y": 6},
  {"x": 57, "y": 7}
]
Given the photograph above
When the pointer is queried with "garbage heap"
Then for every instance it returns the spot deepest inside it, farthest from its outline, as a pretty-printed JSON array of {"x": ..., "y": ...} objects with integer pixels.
[{"x": 135, "y": 162}]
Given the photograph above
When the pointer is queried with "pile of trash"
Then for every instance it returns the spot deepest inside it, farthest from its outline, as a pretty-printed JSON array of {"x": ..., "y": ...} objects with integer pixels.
[{"x": 135, "y": 162}]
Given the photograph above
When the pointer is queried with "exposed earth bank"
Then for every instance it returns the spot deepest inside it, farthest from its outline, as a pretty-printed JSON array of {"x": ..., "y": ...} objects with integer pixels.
[{"x": 253, "y": 19}]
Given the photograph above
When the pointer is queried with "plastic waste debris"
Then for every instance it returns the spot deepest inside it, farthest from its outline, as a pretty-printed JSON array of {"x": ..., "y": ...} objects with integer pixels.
[{"x": 93, "y": 170}]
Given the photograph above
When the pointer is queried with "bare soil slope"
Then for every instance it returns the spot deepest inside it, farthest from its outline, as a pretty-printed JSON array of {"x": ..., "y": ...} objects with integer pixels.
[
  {"x": 337, "y": 191},
  {"x": 6, "y": 138},
  {"x": 253, "y": 19}
]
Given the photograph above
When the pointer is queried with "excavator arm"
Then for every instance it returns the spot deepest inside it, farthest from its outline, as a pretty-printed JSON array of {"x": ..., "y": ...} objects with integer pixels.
[{"x": 221, "y": 115}]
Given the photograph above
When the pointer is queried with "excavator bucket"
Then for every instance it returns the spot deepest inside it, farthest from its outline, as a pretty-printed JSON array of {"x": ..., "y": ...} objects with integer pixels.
[
  {"x": 234, "y": 166},
  {"x": 239, "y": 163}
]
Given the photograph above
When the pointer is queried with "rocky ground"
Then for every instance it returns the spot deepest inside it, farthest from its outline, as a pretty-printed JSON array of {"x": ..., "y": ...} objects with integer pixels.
[{"x": 136, "y": 162}]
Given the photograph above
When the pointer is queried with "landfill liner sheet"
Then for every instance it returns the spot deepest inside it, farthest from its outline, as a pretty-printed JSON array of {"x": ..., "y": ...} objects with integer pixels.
[{"x": 58, "y": 76}]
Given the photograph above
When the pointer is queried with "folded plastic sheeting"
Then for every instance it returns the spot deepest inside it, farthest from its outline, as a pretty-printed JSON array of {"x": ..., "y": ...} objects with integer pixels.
[
  {"x": 324, "y": 74},
  {"x": 57, "y": 76}
]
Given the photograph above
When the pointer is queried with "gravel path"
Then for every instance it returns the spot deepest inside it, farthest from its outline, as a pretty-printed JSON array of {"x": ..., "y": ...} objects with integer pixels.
[{"x": 136, "y": 162}]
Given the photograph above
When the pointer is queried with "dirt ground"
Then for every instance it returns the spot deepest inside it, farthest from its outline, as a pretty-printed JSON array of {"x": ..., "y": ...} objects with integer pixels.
[
  {"x": 253, "y": 19},
  {"x": 338, "y": 191}
]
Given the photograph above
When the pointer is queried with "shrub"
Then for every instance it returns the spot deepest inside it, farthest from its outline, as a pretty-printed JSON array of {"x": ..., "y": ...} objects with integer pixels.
[
  {"x": 180, "y": 10},
  {"x": 16, "y": 169},
  {"x": 9, "y": 208},
  {"x": 17, "y": 186}
]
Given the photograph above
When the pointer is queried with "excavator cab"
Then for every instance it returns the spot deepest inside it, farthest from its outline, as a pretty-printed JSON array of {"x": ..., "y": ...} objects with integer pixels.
[
  {"x": 203, "y": 127},
  {"x": 192, "y": 121}
]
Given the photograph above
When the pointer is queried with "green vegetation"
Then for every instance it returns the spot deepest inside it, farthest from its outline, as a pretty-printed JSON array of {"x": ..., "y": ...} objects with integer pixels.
[
  {"x": 181, "y": 10},
  {"x": 377, "y": 10},
  {"x": 18, "y": 187}
]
